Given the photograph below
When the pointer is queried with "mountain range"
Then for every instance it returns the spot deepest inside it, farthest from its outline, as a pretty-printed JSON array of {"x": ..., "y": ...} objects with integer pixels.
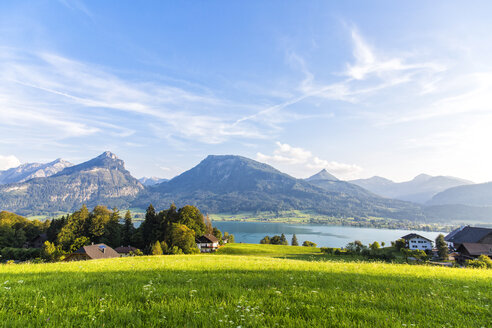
[
  {"x": 227, "y": 183},
  {"x": 418, "y": 190},
  {"x": 102, "y": 180},
  {"x": 29, "y": 171},
  {"x": 151, "y": 181},
  {"x": 233, "y": 183}
]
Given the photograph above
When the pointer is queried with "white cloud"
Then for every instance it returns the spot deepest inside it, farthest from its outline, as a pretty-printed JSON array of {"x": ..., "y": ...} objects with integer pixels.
[
  {"x": 302, "y": 163},
  {"x": 7, "y": 162}
]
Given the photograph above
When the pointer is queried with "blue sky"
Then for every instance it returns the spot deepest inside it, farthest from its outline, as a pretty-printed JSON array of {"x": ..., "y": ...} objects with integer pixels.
[{"x": 360, "y": 88}]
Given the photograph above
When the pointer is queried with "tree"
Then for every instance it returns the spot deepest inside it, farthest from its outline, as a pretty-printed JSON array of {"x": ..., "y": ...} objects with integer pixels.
[
  {"x": 112, "y": 233},
  {"x": 128, "y": 229},
  {"x": 217, "y": 233},
  {"x": 191, "y": 217},
  {"x": 355, "y": 247},
  {"x": 230, "y": 239},
  {"x": 184, "y": 238},
  {"x": 383, "y": 244},
  {"x": 76, "y": 227},
  {"x": 400, "y": 244},
  {"x": 275, "y": 240},
  {"x": 79, "y": 242},
  {"x": 283, "y": 240},
  {"x": 309, "y": 243},
  {"x": 208, "y": 225},
  {"x": 374, "y": 246},
  {"x": 442, "y": 247},
  {"x": 265, "y": 240},
  {"x": 149, "y": 225},
  {"x": 49, "y": 251},
  {"x": 294, "y": 241},
  {"x": 156, "y": 249},
  {"x": 98, "y": 219}
]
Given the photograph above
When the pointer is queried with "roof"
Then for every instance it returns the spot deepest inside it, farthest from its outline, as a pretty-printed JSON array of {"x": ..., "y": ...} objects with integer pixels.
[
  {"x": 476, "y": 249},
  {"x": 41, "y": 236},
  {"x": 125, "y": 249},
  {"x": 208, "y": 238},
  {"x": 467, "y": 235},
  {"x": 414, "y": 235},
  {"x": 98, "y": 251}
]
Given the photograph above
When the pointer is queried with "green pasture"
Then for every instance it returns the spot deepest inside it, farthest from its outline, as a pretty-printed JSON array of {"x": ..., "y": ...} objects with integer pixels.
[{"x": 243, "y": 286}]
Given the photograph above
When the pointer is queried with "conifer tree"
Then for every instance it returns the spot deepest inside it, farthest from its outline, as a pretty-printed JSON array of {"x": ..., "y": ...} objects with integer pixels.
[
  {"x": 128, "y": 229},
  {"x": 294, "y": 241}
]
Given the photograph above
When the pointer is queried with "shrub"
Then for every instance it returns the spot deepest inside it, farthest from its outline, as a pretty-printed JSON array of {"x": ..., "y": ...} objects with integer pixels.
[
  {"x": 482, "y": 262},
  {"x": 309, "y": 244}
]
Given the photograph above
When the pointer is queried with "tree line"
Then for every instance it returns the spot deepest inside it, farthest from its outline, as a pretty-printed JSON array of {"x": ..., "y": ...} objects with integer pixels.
[{"x": 173, "y": 229}]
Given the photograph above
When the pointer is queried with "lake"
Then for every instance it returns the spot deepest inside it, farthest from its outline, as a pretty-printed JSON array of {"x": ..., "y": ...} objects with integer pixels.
[{"x": 322, "y": 235}]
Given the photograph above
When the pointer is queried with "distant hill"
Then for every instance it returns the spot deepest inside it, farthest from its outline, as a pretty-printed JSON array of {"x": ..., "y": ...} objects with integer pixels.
[
  {"x": 234, "y": 183},
  {"x": 102, "y": 180},
  {"x": 29, "y": 171},
  {"x": 419, "y": 190},
  {"x": 328, "y": 182},
  {"x": 151, "y": 181},
  {"x": 471, "y": 195}
]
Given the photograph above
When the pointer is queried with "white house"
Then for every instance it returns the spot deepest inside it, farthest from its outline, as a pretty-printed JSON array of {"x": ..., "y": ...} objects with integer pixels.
[
  {"x": 415, "y": 241},
  {"x": 207, "y": 243}
]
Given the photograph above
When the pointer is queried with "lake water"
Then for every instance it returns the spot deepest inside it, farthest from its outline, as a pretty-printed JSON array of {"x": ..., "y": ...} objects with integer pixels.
[{"x": 322, "y": 235}]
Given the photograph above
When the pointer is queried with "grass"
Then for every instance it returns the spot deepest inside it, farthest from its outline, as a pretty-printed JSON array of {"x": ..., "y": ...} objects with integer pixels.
[{"x": 253, "y": 288}]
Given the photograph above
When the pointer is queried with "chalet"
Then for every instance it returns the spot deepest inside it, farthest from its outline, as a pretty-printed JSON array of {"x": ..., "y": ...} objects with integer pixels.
[
  {"x": 207, "y": 243},
  {"x": 469, "y": 251},
  {"x": 92, "y": 252},
  {"x": 414, "y": 241},
  {"x": 470, "y": 235},
  {"x": 125, "y": 250}
]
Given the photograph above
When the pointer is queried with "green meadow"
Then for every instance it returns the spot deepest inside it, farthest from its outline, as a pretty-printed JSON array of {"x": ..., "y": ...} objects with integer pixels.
[{"x": 243, "y": 286}]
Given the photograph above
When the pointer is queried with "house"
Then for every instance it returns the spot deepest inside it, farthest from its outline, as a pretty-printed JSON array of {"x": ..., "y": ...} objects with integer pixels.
[
  {"x": 36, "y": 242},
  {"x": 414, "y": 241},
  {"x": 92, "y": 252},
  {"x": 469, "y": 251},
  {"x": 125, "y": 250},
  {"x": 207, "y": 243},
  {"x": 469, "y": 235}
]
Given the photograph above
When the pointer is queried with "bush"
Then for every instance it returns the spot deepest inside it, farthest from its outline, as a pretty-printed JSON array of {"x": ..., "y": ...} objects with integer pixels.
[
  {"x": 20, "y": 254},
  {"x": 309, "y": 244},
  {"x": 482, "y": 262},
  {"x": 330, "y": 250}
]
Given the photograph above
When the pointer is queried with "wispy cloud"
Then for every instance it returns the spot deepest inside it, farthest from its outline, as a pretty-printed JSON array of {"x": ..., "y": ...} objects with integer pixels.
[
  {"x": 302, "y": 162},
  {"x": 50, "y": 89}
]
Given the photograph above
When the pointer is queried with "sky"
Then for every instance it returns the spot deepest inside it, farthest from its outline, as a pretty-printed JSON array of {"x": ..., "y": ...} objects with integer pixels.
[{"x": 360, "y": 88}]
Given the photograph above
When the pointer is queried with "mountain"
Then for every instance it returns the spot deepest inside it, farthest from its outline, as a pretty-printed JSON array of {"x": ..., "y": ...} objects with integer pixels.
[
  {"x": 102, "y": 180},
  {"x": 151, "y": 181},
  {"x": 328, "y": 182},
  {"x": 322, "y": 175},
  {"x": 29, "y": 171},
  {"x": 470, "y": 195},
  {"x": 229, "y": 183},
  {"x": 419, "y": 190}
]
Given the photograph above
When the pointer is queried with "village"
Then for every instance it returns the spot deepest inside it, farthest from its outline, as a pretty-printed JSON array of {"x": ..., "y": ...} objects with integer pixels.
[{"x": 463, "y": 244}]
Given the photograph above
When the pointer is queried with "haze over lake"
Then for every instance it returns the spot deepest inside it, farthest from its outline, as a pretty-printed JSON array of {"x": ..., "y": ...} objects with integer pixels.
[{"x": 322, "y": 235}]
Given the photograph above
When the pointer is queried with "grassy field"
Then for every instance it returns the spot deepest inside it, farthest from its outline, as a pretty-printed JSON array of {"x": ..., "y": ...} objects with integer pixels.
[{"x": 246, "y": 286}]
